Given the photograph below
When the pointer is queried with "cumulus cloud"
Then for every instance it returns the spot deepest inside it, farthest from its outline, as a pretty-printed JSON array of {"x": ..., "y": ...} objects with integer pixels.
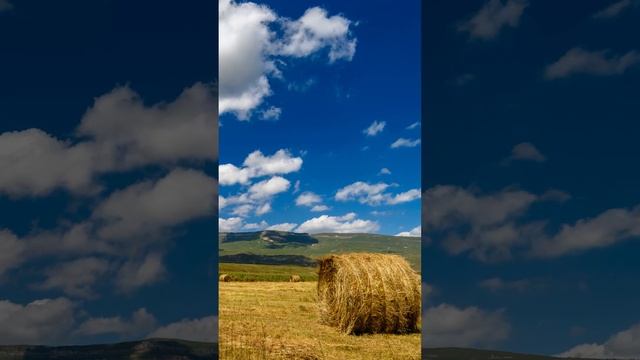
[
  {"x": 311, "y": 200},
  {"x": 12, "y": 251},
  {"x": 149, "y": 206},
  {"x": 230, "y": 224},
  {"x": 272, "y": 113},
  {"x": 41, "y": 322},
  {"x": 415, "y": 232},
  {"x": 254, "y": 39},
  {"x": 268, "y": 188},
  {"x": 204, "y": 329},
  {"x": 449, "y": 326},
  {"x": 622, "y": 345},
  {"x": 76, "y": 277},
  {"x": 580, "y": 61},
  {"x": 384, "y": 171},
  {"x": 613, "y": 10},
  {"x": 256, "y": 164},
  {"x": 607, "y": 228},
  {"x": 140, "y": 272},
  {"x": 494, "y": 15},
  {"x": 140, "y": 323},
  {"x": 283, "y": 227},
  {"x": 348, "y": 223},
  {"x": 482, "y": 224},
  {"x": 375, "y": 128},
  {"x": 117, "y": 133},
  {"x": 402, "y": 142},
  {"x": 526, "y": 151},
  {"x": 374, "y": 194}
]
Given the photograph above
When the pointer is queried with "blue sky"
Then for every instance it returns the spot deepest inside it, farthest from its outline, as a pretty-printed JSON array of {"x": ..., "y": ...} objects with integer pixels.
[
  {"x": 530, "y": 183},
  {"x": 108, "y": 111},
  {"x": 302, "y": 102}
]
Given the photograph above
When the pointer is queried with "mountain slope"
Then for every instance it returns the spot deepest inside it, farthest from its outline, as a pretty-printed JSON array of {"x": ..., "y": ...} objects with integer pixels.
[{"x": 159, "y": 349}]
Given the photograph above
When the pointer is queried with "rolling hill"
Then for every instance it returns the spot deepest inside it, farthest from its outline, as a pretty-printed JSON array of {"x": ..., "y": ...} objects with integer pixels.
[
  {"x": 476, "y": 354},
  {"x": 259, "y": 247},
  {"x": 158, "y": 349}
]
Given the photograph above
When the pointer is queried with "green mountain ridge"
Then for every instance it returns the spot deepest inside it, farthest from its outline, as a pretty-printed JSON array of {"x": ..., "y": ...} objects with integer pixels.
[
  {"x": 452, "y": 353},
  {"x": 157, "y": 349},
  {"x": 270, "y": 243}
]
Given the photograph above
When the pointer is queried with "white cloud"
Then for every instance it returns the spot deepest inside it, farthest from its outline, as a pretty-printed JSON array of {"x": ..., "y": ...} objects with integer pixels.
[
  {"x": 404, "y": 197},
  {"x": 256, "y": 164},
  {"x": 140, "y": 323},
  {"x": 526, "y": 151},
  {"x": 402, "y": 142},
  {"x": 140, "y": 272},
  {"x": 580, "y": 61},
  {"x": 149, "y": 206},
  {"x": 622, "y": 345},
  {"x": 308, "y": 198},
  {"x": 243, "y": 210},
  {"x": 492, "y": 17},
  {"x": 384, "y": 171},
  {"x": 41, "y": 322},
  {"x": 118, "y": 132},
  {"x": 607, "y": 228},
  {"x": 348, "y": 223},
  {"x": 230, "y": 224},
  {"x": 204, "y": 329},
  {"x": 76, "y": 277},
  {"x": 283, "y": 227},
  {"x": 263, "y": 209},
  {"x": 450, "y": 326},
  {"x": 414, "y": 125},
  {"x": 415, "y": 232},
  {"x": 12, "y": 251},
  {"x": 375, "y": 128},
  {"x": 319, "y": 208},
  {"x": 268, "y": 188},
  {"x": 374, "y": 194},
  {"x": 314, "y": 31},
  {"x": 613, "y": 10},
  {"x": 249, "y": 49},
  {"x": 272, "y": 113},
  {"x": 34, "y": 163},
  {"x": 365, "y": 193},
  {"x": 255, "y": 226}
]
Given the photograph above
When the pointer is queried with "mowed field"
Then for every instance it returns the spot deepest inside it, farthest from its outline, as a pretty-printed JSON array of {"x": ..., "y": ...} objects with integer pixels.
[{"x": 279, "y": 320}]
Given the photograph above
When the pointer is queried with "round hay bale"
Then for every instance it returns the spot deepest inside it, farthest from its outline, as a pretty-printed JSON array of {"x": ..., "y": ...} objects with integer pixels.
[
  {"x": 295, "y": 278},
  {"x": 369, "y": 293},
  {"x": 225, "y": 277}
]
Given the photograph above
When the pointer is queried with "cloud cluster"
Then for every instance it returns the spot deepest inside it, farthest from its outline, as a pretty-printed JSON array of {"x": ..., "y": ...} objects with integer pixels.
[
  {"x": 254, "y": 40},
  {"x": 374, "y": 194},
  {"x": 311, "y": 200},
  {"x": 622, "y": 345},
  {"x": 348, "y": 223},
  {"x": 117, "y": 133},
  {"x": 526, "y": 151},
  {"x": 45, "y": 321},
  {"x": 494, "y": 15},
  {"x": 580, "y": 61},
  {"x": 415, "y": 232},
  {"x": 449, "y": 326},
  {"x": 613, "y": 10}
]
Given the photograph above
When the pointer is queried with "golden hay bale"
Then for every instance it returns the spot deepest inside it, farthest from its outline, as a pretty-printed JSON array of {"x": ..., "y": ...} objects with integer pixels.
[
  {"x": 295, "y": 278},
  {"x": 369, "y": 293},
  {"x": 225, "y": 277}
]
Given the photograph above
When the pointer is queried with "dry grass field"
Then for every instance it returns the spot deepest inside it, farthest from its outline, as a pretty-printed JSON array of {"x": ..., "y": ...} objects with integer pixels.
[{"x": 280, "y": 320}]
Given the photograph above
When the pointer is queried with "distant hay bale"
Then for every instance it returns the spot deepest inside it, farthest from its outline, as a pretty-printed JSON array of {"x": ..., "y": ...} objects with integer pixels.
[
  {"x": 295, "y": 278},
  {"x": 225, "y": 277},
  {"x": 369, "y": 293}
]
